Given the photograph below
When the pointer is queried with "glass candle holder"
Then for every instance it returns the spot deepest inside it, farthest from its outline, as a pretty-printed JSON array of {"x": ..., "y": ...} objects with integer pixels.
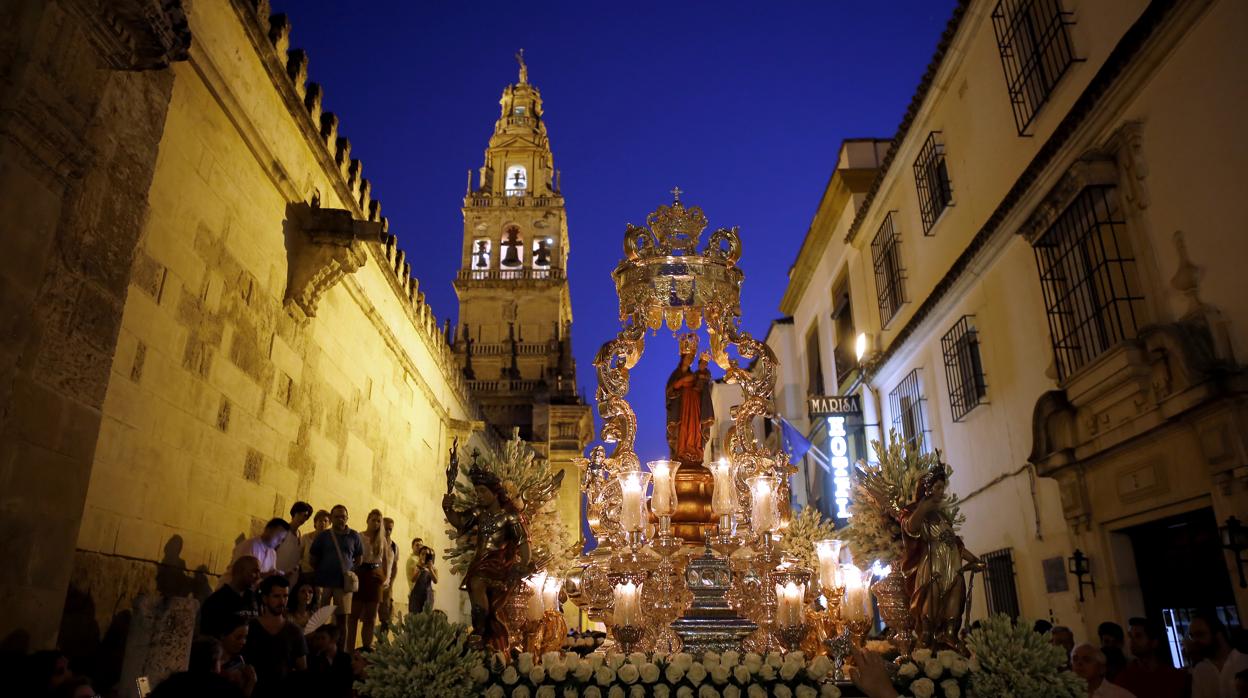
[
  {"x": 627, "y": 597},
  {"x": 790, "y": 603},
  {"x": 663, "y": 499},
  {"x": 633, "y": 500},
  {"x": 724, "y": 496},
  {"x": 535, "y": 607},
  {"x": 829, "y": 552},
  {"x": 764, "y": 513},
  {"x": 550, "y": 593},
  {"x": 856, "y": 604}
]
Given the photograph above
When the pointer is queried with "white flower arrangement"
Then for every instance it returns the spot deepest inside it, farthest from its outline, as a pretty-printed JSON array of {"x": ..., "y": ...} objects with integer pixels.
[
  {"x": 1012, "y": 659},
  {"x": 727, "y": 675},
  {"x": 425, "y": 652}
]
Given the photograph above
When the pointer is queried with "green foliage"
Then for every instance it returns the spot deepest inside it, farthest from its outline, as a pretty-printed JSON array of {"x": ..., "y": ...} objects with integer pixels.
[
  {"x": 528, "y": 482},
  {"x": 805, "y": 529},
  {"x": 1016, "y": 662},
  {"x": 425, "y": 655},
  {"x": 881, "y": 489}
]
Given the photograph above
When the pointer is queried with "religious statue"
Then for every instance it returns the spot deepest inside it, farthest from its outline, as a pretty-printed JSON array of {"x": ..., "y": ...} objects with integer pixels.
[
  {"x": 933, "y": 563},
  {"x": 500, "y": 560},
  {"x": 689, "y": 410}
]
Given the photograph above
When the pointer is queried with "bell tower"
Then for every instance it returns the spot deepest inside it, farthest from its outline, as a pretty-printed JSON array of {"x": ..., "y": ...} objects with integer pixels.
[{"x": 513, "y": 338}]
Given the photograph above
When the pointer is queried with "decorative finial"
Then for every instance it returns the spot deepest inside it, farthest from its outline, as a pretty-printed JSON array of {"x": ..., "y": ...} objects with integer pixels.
[
  {"x": 676, "y": 192},
  {"x": 524, "y": 69}
]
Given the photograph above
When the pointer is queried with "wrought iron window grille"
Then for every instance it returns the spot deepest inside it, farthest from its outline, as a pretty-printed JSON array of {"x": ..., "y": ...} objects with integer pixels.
[
  {"x": 1087, "y": 274},
  {"x": 1036, "y": 51},
  {"x": 964, "y": 370},
  {"x": 931, "y": 177},
  {"x": 906, "y": 405},
  {"x": 1002, "y": 594},
  {"x": 890, "y": 275}
]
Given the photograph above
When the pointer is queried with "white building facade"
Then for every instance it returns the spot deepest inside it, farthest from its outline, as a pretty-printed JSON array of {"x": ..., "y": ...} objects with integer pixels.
[{"x": 1040, "y": 276}]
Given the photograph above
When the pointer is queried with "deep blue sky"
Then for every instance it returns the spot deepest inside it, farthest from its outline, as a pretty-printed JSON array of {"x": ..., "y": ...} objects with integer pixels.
[{"x": 741, "y": 104}]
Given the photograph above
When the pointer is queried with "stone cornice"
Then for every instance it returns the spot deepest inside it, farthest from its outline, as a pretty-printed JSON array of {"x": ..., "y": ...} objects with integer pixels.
[
  {"x": 843, "y": 184},
  {"x": 135, "y": 34}
]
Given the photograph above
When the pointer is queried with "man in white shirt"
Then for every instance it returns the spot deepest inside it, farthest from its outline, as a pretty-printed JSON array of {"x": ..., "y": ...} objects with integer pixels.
[
  {"x": 290, "y": 551},
  {"x": 264, "y": 546},
  {"x": 1217, "y": 662},
  {"x": 1089, "y": 662}
]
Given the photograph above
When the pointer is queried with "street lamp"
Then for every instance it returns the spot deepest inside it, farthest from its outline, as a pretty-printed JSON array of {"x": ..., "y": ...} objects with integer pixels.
[
  {"x": 1080, "y": 565},
  {"x": 1235, "y": 539}
]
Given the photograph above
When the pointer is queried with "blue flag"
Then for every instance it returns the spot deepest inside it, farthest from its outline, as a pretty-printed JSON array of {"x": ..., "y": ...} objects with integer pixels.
[{"x": 795, "y": 442}]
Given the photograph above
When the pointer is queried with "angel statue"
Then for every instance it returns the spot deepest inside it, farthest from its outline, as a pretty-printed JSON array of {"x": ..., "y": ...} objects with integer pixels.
[
  {"x": 501, "y": 558},
  {"x": 933, "y": 562}
]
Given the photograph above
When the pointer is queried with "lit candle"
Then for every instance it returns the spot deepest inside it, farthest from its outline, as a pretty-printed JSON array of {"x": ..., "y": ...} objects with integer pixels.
[
  {"x": 793, "y": 603},
  {"x": 857, "y": 604},
  {"x": 626, "y": 604},
  {"x": 724, "y": 497},
  {"x": 782, "y": 605},
  {"x": 763, "y": 503},
  {"x": 535, "y": 608},
  {"x": 550, "y": 593},
  {"x": 661, "y": 500},
  {"x": 630, "y": 509},
  {"x": 829, "y": 552}
]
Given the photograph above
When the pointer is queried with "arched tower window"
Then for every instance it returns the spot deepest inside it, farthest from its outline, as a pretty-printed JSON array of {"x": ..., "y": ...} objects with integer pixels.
[
  {"x": 543, "y": 251},
  {"x": 512, "y": 248},
  {"x": 517, "y": 182},
  {"x": 481, "y": 254}
]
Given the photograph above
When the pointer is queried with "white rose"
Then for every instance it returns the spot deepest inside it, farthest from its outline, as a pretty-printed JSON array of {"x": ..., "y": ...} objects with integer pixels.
[
  {"x": 583, "y": 671},
  {"x": 753, "y": 662},
  {"x": 796, "y": 656},
  {"x": 520, "y": 692},
  {"x": 730, "y": 658},
  {"x": 829, "y": 690},
  {"x": 789, "y": 670},
  {"x": 933, "y": 669},
  {"x": 637, "y": 658},
  {"x": 479, "y": 673},
  {"x": 909, "y": 670},
  {"x": 550, "y": 658},
  {"x": 921, "y": 655},
  {"x": 615, "y": 660},
  {"x": 684, "y": 660},
  {"x": 741, "y": 673},
  {"x": 545, "y": 692},
  {"x": 615, "y": 692},
  {"x": 557, "y": 672},
  {"x": 650, "y": 672},
  {"x": 959, "y": 668},
  {"x": 805, "y": 691},
  {"x": 710, "y": 657},
  {"x": 494, "y": 691},
  {"x": 662, "y": 691},
  {"x": 591, "y": 692},
  {"x": 946, "y": 657},
  {"x": 820, "y": 667},
  {"x": 707, "y": 692},
  {"x": 628, "y": 673},
  {"x": 756, "y": 691},
  {"x": 696, "y": 674},
  {"x": 596, "y": 660},
  {"x": 775, "y": 659},
  {"x": 732, "y": 692},
  {"x": 781, "y": 691},
  {"x": 767, "y": 673},
  {"x": 720, "y": 674},
  {"x": 537, "y": 674},
  {"x": 673, "y": 673},
  {"x": 951, "y": 688},
  {"x": 604, "y": 675},
  {"x": 923, "y": 688},
  {"x": 637, "y": 691},
  {"x": 524, "y": 662},
  {"x": 684, "y": 692},
  {"x": 510, "y": 675}
]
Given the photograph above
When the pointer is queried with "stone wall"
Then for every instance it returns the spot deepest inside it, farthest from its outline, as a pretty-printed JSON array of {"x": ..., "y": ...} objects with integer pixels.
[{"x": 205, "y": 282}]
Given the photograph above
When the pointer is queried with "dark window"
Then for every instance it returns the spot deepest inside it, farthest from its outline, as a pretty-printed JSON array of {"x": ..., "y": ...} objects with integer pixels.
[
  {"x": 890, "y": 275},
  {"x": 906, "y": 402},
  {"x": 999, "y": 582},
  {"x": 963, "y": 368},
  {"x": 1087, "y": 274},
  {"x": 1035, "y": 52},
  {"x": 931, "y": 176},
  {"x": 814, "y": 363},
  {"x": 843, "y": 331}
]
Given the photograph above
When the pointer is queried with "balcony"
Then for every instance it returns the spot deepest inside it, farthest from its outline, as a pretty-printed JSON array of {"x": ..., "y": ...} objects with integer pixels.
[
  {"x": 523, "y": 274},
  {"x": 514, "y": 198}
]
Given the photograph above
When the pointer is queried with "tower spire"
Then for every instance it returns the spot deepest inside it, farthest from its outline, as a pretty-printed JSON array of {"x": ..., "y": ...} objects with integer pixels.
[{"x": 524, "y": 69}]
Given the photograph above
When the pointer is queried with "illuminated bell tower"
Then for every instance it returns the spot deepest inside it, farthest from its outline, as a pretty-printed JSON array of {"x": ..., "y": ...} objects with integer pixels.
[{"x": 513, "y": 338}]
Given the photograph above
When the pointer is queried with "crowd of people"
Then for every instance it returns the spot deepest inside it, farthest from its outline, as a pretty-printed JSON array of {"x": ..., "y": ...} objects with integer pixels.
[{"x": 297, "y": 612}]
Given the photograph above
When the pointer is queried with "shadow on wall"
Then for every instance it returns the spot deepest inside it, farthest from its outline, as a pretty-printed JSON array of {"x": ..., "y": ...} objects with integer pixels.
[{"x": 101, "y": 595}]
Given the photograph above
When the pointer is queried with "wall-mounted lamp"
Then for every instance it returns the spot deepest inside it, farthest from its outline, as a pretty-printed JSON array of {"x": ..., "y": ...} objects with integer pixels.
[
  {"x": 861, "y": 344},
  {"x": 1235, "y": 539},
  {"x": 1081, "y": 566}
]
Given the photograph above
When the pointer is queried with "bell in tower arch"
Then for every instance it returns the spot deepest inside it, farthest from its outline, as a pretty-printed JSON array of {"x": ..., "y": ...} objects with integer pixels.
[{"x": 511, "y": 248}]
